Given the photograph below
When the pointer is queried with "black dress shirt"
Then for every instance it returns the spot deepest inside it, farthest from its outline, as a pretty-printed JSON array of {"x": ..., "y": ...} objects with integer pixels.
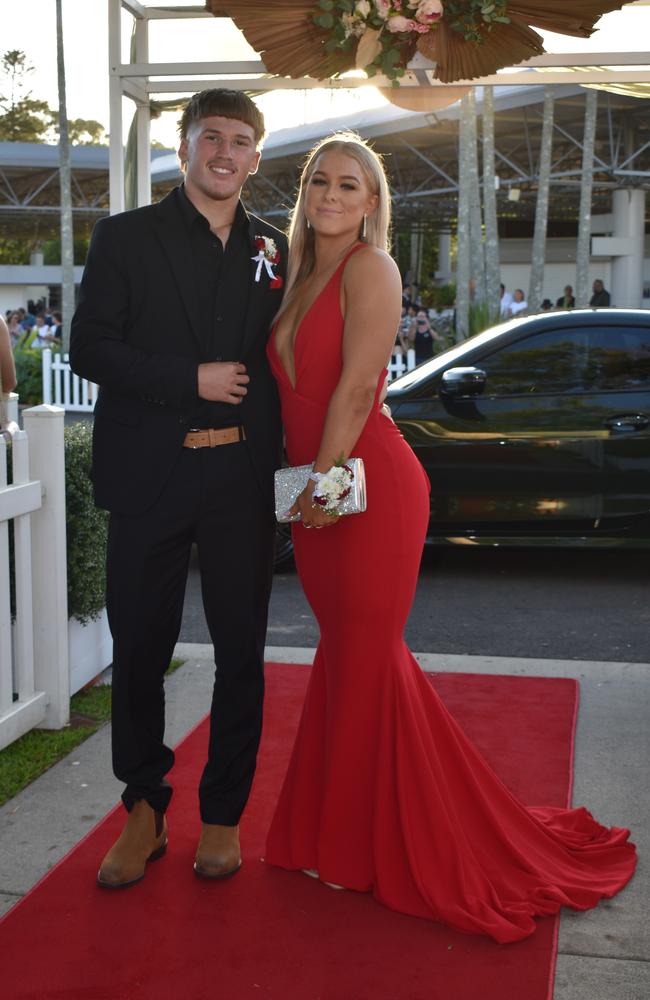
[{"x": 223, "y": 285}]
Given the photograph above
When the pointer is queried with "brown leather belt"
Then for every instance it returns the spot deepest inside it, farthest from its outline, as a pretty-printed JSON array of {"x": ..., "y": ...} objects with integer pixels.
[{"x": 213, "y": 437}]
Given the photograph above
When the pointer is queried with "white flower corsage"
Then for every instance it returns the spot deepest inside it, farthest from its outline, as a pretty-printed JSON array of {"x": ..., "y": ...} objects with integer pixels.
[
  {"x": 332, "y": 487},
  {"x": 267, "y": 256}
]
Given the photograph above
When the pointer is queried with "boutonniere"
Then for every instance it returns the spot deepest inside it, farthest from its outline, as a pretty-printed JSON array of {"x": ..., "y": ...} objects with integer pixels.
[{"x": 267, "y": 256}]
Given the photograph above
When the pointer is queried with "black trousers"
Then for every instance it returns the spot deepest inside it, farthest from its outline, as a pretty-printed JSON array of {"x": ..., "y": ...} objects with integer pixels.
[{"x": 212, "y": 500}]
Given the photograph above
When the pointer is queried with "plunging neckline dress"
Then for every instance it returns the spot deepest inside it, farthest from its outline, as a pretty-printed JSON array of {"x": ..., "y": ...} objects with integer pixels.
[{"x": 384, "y": 793}]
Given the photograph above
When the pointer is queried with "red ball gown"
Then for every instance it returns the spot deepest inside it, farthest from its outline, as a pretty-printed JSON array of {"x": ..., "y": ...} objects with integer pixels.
[{"x": 384, "y": 793}]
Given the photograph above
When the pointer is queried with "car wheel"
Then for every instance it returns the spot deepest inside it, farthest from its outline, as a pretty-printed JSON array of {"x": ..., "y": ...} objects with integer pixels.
[{"x": 283, "y": 547}]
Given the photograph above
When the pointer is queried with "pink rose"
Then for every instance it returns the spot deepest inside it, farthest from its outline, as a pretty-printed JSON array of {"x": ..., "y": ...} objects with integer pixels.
[
  {"x": 396, "y": 24},
  {"x": 383, "y": 8},
  {"x": 429, "y": 11}
]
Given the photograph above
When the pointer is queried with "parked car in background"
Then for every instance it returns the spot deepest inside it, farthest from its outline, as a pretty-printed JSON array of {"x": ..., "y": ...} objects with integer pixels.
[{"x": 536, "y": 431}]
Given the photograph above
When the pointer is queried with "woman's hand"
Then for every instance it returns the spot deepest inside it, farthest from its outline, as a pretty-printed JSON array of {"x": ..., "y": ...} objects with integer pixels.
[{"x": 311, "y": 514}]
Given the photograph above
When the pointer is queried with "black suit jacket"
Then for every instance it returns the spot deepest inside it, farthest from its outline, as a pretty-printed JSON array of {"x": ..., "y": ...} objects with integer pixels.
[{"x": 137, "y": 333}]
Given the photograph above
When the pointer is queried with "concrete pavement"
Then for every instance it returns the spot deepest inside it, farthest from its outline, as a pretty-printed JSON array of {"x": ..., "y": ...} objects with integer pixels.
[{"x": 603, "y": 954}]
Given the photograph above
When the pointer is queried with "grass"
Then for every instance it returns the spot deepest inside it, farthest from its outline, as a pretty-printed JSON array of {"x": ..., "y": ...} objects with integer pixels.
[{"x": 35, "y": 752}]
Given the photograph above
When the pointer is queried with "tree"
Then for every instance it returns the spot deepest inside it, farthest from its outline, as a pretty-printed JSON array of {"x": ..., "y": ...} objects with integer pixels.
[
  {"x": 541, "y": 208},
  {"x": 583, "y": 247},
  {"x": 81, "y": 131},
  {"x": 22, "y": 119},
  {"x": 492, "y": 269}
]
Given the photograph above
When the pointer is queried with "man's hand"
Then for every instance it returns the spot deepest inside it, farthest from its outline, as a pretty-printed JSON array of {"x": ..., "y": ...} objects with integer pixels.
[{"x": 223, "y": 381}]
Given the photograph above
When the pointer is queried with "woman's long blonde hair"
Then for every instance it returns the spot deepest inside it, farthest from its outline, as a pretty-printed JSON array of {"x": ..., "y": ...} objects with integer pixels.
[{"x": 301, "y": 238}]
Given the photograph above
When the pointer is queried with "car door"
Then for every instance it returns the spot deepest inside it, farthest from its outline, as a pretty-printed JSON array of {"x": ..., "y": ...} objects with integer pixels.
[
  {"x": 618, "y": 380},
  {"x": 526, "y": 456}
]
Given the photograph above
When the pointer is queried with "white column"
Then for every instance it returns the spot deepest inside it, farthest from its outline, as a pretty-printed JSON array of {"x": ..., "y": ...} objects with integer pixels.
[
  {"x": 116, "y": 148},
  {"x": 627, "y": 269},
  {"x": 143, "y": 119},
  {"x": 44, "y": 426}
]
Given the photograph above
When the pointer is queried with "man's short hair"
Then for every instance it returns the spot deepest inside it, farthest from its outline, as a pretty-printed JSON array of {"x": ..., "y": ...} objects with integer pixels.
[{"x": 226, "y": 104}]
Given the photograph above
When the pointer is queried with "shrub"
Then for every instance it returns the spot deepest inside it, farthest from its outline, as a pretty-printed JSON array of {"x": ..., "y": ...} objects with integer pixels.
[
  {"x": 86, "y": 526},
  {"x": 29, "y": 376}
]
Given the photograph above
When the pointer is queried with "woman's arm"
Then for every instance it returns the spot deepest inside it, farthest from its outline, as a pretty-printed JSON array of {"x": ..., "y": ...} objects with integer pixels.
[
  {"x": 7, "y": 367},
  {"x": 371, "y": 293}
]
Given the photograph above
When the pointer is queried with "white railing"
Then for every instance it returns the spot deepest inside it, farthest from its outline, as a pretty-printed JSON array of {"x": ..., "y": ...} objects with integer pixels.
[
  {"x": 34, "y": 682},
  {"x": 63, "y": 388},
  {"x": 399, "y": 364}
]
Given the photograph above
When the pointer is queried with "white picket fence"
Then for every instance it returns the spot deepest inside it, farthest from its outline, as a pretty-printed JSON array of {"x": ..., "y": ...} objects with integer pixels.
[
  {"x": 399, "y": 364},
  {"x": 63, "y": 388},
  {"x": 34, "y": 676}
]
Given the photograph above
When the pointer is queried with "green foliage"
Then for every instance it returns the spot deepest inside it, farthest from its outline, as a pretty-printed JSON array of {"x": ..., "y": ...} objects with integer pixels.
[
  {"x": 25, "y": 119},
  {"x": 52, "y": 250},
  {"x": 34, "y": 753},
  {"x": 473, "y": 19},
  {"x": 86, "y": 526},
  {"x": 14, "y": 250},
  {"x": 481, "y": 317},
  {"x": 22, "y": 119},
  {"x": 441, "y": 296},
  {"x": 402, "y": 253},
  {"x": 93, "y": 703},
  {"x": 29, "y": 376},
  {"x": 81, "y": 131}
]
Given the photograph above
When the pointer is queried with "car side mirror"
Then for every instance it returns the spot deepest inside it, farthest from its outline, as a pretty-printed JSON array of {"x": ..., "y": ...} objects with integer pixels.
[{"x": 459, "y": 382}]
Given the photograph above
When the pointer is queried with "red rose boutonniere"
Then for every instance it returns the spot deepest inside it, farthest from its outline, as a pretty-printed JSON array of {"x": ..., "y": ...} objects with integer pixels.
[{"x": 268, "y": 256}]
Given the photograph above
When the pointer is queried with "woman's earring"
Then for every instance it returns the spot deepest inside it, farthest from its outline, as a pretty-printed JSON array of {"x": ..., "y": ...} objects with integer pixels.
[
  {"x": 308, "y": 223},
  {"x": 364, "y": 227}
]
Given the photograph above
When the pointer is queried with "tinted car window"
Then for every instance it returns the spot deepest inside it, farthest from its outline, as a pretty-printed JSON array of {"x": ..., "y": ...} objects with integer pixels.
[
  {"x": 550, "y": 362},
  {"x": 618, "y": 358}
]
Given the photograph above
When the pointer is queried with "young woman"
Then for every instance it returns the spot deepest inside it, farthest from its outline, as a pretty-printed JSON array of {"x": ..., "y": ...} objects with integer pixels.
[
  {"x": 424, "y": 337},
  {"x": 384, "y": 793}
]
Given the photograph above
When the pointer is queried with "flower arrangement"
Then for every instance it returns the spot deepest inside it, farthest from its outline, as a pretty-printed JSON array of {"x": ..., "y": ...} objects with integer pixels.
[
  {"x": 385, "y": 32},
  {"x": 268, "y": 256},
  {"x": 332, "y": 487}
]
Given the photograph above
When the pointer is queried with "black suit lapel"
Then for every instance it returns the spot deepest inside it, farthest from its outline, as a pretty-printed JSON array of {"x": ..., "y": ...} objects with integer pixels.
[{"x": 175, "y": 242}]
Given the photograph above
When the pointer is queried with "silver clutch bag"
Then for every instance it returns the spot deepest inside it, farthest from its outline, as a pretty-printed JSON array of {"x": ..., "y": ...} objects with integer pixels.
[{"x": 290, "y": 482}]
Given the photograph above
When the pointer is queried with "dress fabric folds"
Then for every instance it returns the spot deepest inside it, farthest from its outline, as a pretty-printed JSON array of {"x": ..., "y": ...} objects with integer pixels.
[{"x": 384, "y": 793}]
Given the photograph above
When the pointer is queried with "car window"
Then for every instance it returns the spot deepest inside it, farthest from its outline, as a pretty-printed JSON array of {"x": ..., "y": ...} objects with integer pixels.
[
  {"x": 618, "y": 358},
  {"x": 550, "y": 362}
]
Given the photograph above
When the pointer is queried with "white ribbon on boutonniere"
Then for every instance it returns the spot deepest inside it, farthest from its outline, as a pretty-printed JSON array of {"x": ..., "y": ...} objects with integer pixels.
[{"x": 268, "y": 256}]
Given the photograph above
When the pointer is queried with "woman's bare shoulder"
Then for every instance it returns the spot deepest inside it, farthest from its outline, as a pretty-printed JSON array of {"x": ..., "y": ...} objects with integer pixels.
[{"x": 373, "y": 264}]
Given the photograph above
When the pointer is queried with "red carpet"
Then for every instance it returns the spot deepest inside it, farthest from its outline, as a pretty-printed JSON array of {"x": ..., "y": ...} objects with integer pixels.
[{"x": 272, "y": 935}]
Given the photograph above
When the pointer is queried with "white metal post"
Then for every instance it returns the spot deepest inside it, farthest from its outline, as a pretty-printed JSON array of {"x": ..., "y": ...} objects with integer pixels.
[
  {"x": 12, "y": 407},
  {"x": 143, "y": 119},
  {"x": 116, "y": 149},
  {"x": 46, "y": 372},
  {"x": 44, "y": 426}
]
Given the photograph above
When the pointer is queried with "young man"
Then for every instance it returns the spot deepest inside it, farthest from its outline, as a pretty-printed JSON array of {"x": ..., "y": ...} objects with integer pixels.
[{"x": 186, "y": 439}]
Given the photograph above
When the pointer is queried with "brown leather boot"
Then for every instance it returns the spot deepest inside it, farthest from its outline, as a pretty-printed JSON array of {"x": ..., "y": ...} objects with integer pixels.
[
  {"x": 218, "y": 854},
  {"x": 144, "y": 838}
]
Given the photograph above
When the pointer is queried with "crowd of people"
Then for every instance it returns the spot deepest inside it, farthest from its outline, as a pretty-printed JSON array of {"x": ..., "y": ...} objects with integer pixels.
[
  {"x": 35, "y": 327},
  {"x": 428, "y": 331},
  {"x": 516, "y": 304}
]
